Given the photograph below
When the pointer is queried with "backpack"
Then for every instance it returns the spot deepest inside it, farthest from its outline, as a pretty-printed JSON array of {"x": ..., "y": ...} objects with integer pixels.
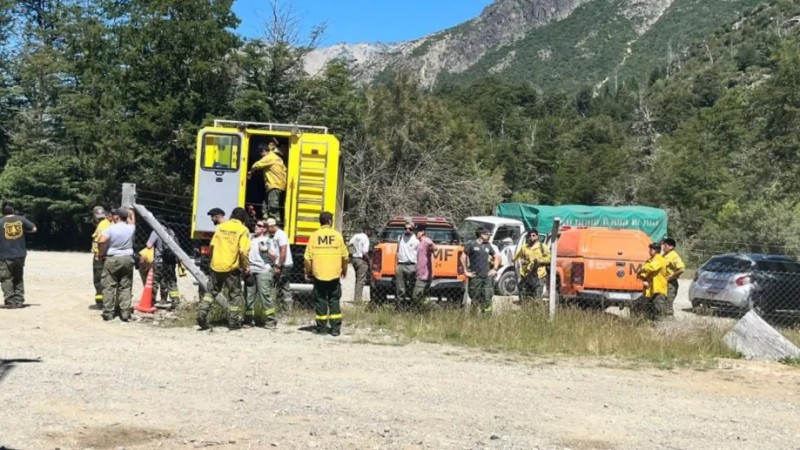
[{"x": 167, "y": 255}]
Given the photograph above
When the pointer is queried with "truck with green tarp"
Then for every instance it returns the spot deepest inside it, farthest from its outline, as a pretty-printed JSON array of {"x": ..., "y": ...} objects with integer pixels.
[{"x": 652, "y": 221}]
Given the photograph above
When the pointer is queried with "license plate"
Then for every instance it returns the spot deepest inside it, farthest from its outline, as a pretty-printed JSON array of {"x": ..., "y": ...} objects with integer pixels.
[{"x": 619, "y": 296}]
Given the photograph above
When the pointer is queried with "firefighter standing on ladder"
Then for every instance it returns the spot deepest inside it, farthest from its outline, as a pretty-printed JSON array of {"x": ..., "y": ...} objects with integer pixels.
[{"x": 274, "y": 178}]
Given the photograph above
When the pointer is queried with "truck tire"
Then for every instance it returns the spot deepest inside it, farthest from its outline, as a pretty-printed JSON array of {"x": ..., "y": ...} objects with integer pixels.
[
  {"x": 507, "y": 284},
  {"x": 455, "y": 300},
  {"x": 377, "y": 296}
]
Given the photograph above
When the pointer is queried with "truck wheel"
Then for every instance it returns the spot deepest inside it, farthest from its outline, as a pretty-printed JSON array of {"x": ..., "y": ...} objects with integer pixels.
[
  {"x": 507, "y": 284},
  {"x": 456, "y": 299},
  {"x": 377, "y": 296}
]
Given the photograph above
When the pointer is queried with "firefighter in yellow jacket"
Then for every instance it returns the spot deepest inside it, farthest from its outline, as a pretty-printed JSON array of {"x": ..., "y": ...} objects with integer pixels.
[
  {"x": 229, "y": 259},
  {"x": 654, "y": 273},
  {"x": 675, "y": 268},
  {"x": 274, "y": 179},
  {"x": 100, "y": 219},
  {"x": 325, "y": 264},
  {"x": 533, "y": 257}
]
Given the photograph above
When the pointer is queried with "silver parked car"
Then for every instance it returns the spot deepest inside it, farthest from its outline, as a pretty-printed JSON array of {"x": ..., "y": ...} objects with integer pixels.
[{"x": 743, "y": 281}]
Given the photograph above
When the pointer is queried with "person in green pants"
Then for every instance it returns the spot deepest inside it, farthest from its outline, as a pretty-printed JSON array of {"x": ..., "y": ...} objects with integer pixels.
[
  {"x": 230, "y": 247},
  {"x": 326, "y": 264},
  {"x": 482, "y": 262},
  {"x": 261, "y": 285},
  {"x": 116, "y": 250},
  {"x": 12, "y": 255}
]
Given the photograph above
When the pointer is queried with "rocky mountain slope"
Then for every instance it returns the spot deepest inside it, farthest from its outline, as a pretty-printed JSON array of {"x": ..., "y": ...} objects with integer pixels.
[{"x": 555, "y": 44}]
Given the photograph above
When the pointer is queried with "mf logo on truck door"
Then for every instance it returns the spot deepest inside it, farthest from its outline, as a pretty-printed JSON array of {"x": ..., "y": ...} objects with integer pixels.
[
  {"x": 443, "y": 254},
  {"x": 633, "y": 269}
]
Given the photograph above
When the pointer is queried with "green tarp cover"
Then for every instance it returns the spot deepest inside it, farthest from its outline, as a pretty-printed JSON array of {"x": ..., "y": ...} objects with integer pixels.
[{"x": 652, "y": 221}]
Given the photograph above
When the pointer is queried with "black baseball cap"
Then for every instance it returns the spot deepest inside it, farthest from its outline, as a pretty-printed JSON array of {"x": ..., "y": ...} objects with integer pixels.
[
  {"x": 655, "y": 246},
  {"x": 481, "y": 231},
  {"x": 420, "y": 227},
  {"x": 216, "y": 212},
  {"x": 669, "y": 241}
]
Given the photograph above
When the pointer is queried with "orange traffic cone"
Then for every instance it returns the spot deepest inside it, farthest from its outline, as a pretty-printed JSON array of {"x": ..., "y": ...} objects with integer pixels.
[{"x": 146, "y": 303}]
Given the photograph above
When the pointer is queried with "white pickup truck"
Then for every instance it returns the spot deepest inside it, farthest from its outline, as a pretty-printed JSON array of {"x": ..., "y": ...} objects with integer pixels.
[{"x": 507, "y": 234}]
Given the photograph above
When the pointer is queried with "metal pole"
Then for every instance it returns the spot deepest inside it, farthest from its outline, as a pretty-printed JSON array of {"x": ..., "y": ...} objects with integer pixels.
[
  {"x": 129, "y": 200},
  {"x": 553, "y": 257}
]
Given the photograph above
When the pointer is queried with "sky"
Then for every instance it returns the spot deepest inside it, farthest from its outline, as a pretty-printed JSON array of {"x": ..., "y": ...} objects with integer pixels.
[{"x": 354, "y": 21}]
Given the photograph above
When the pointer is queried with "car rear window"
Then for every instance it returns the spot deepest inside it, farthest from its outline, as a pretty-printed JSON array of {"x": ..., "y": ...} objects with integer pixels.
[
  {"x": 727, "y": 264},
  {"x": 778, "y": 266},
  {"x": 437, "y": 235}
]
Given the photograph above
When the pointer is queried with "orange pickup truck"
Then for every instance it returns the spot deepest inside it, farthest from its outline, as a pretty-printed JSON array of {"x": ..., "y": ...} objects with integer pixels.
[
  {"x": 599, "y": 267},
  {"x": 448, "y": 274}
]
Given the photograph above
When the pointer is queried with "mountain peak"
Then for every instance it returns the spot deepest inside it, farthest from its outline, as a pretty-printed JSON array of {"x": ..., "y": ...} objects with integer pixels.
[{"x": 559, "y": 44}]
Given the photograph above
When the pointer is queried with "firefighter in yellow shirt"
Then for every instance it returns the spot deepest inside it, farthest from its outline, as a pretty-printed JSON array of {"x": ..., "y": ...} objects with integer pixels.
[
  {"x": 274, "y": 169},
  {"x": 654, "y": 274},
  {"x": 229, "y": 259},
  {"x": 100, "y": 219},
  {"x": 675, "y": 268},
  {"x": 533, "y": 257},
  {"x": 325, "y": 264}
]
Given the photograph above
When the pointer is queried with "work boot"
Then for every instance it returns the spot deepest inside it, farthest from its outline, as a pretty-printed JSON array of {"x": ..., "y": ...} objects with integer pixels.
[
  {"x": 107, "y": 317},
  {"x": 336, "y": 332},
  {"x": 202, "y": 321}
]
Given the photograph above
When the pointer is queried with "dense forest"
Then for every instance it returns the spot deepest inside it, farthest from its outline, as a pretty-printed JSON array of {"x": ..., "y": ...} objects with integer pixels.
[{"x": 94, "y": 93}]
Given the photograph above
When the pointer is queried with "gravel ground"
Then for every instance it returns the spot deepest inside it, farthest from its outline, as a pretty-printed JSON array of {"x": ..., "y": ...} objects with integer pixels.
[{"x": 70, "y": 380}]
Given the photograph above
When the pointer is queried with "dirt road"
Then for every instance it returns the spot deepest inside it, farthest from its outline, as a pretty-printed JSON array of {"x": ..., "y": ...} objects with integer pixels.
[{"x": 70, "y": 380}]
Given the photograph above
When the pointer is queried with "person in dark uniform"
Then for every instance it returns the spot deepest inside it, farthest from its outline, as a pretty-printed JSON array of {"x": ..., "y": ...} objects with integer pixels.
[
  {"x": 482, "y": 262},
  {"x": 12, "y": 255}
]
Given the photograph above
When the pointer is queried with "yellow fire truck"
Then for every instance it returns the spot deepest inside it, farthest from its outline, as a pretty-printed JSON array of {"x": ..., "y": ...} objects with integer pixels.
[{"x": 315, "y": 178}]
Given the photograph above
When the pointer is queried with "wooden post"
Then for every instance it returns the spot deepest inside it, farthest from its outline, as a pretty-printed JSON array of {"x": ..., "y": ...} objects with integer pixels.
[{"x": 553, "y": 257}]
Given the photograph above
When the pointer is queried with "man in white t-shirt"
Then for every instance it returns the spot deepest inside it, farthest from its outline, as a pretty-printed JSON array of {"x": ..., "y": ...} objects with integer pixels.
[
  {"x": 407, "y": 244},
  {"x": 282, "y": 293},
  {"x": 360, "y": 259}
]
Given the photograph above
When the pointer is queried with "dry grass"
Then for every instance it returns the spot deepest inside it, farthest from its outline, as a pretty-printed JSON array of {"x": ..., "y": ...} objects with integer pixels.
[
  {"x": 572, "y": 333},
  {"x": 792, "y": 335}
]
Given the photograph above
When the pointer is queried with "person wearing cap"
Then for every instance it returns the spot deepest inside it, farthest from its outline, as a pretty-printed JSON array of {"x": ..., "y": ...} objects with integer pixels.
[
  {"x": 12, "y": 256},
  {"x": 326, "y": 264},
  {"x": 217, "y": 216},
  {"x": 424, "y": 267},
  {"x": 481, "y": 261},
  {"x": 262, "y": 256},
  {"x": 533, "y": 258},
  {"x": 359, "y": 258},
  {"x": 100, "y": 218},
  {"x": 116, "y": 250},
  {"x": 274, "y": 178},
  {"x": 406, "y": 259},
  {"x": 675, "y": 268},
  {"x": 654, "y": 274},
  {"x": 230, "y": 248},
  {"x": 281, "y": 292}
]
